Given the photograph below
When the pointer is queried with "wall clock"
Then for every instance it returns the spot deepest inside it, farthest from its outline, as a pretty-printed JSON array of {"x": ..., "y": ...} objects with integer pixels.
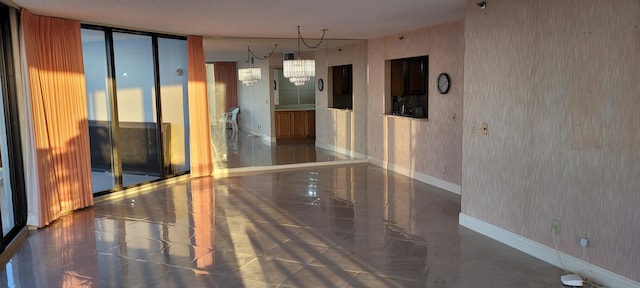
[
  {"x": 320, "y": 84},
  {"x": 444, "y": 83}
]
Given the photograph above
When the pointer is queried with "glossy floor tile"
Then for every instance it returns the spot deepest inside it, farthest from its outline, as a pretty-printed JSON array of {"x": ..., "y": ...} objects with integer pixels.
[
  {"x": 350, "y": 226},
  {"x": 241, "y": 149}
]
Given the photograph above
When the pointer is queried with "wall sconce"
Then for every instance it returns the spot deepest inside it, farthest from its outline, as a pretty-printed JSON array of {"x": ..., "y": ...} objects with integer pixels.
[{"x": 482, "y": 5}]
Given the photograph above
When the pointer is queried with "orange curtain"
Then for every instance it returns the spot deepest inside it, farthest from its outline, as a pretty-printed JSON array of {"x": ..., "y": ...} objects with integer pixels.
[
  {"x": 204, "y": 203},
  {"x": 58, "y": 99},
  {"x": 226, "y": 75},
  {"x": 199, "y": 130}
]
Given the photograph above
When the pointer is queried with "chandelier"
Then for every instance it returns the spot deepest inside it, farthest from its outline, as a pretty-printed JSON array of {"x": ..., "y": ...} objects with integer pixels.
[
  {"x": 251, "y": 75},
  {"x": 299, "y": 70}
]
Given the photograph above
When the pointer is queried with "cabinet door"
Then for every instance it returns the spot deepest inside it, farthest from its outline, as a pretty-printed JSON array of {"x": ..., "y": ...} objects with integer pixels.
[
  {"x": 283, "y": 124},
  {"x": 299, "y": 124},
  {"x": 416, "y": 76},
  {"x": 311, "y": 124}
]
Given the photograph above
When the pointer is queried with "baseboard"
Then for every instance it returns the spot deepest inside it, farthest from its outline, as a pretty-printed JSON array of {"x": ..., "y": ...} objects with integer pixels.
[
  {"x": 442, "y": 184},
  {"x": 267, "y": 139},
  {"x": 547, "y": 254},
  {"x": 342, "y": 151},
  {"x": 263, "y": 137}
]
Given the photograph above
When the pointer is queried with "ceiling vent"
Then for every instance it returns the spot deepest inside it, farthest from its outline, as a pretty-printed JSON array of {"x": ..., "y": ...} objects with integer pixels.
[{"x": 289, "y": 56}]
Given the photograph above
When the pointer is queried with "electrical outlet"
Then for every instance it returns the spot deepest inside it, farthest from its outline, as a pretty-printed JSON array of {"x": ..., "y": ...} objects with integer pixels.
[
  {"x": 584, "y": 239},
  {"x": 555, "y": 226}
]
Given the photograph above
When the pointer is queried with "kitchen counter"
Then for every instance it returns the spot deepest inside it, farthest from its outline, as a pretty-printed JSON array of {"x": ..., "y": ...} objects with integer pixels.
[{"x": 295, "y": 109}]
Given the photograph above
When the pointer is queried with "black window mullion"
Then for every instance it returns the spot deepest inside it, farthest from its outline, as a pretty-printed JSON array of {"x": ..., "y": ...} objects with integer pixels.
[
  {"x": 115, "y": 122},
  {"x": 159, "y": 127},
  {"x": 12, "y": 126}
]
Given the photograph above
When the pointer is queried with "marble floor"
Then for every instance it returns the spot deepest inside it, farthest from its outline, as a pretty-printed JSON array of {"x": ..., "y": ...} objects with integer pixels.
[
  {"x": 348, "y": 226},
  {"x": 242, "y": 149}
]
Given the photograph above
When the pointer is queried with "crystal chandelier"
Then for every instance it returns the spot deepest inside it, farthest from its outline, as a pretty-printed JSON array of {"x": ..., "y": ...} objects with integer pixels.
[
  {"x": 251, "y": 75},
  {"x": 299, "y": 70}
]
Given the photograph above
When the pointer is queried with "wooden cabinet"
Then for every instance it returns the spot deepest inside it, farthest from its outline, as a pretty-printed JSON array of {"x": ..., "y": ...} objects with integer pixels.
[
  {"x": 283, "y": 124},
  {"x": 311, "y": 124},
  {"x": 295, "y": 124}
]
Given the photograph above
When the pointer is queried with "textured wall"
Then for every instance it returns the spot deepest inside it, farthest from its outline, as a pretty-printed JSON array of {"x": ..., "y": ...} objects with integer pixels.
[
  {"x": 558, "y": 84},
  {"x": 342, "y": 129},
  {"x": 434, "y": 146}
]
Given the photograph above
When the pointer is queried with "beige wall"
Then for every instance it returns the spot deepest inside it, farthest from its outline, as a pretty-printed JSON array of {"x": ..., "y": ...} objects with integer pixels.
[
  {"x": 344, "y": 131},
  {"x": 557, "y": 82},
  {"x": 255, "y": 102},
  {"x": 431, "y": 148}
]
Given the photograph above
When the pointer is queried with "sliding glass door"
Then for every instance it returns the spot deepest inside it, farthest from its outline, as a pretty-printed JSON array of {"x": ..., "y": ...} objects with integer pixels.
[
  {"x": 13, "y": 204},
  {"x": 172, "y": 61},
  {"x": 94, "y": 50},
  {"x": 130, "y": 77},
  {"x": 137, "y": 114}
]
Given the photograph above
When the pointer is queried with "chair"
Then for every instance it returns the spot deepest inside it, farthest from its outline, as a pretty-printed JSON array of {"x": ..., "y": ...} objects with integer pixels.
[{"x": 231, "y": 117}]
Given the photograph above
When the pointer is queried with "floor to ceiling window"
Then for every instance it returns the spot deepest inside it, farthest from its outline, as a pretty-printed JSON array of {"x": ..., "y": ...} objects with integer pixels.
[
  {"x": 172, "y": 55},
  {"x": 13, "y": 209},
  {"x": 137, "y": 98}
]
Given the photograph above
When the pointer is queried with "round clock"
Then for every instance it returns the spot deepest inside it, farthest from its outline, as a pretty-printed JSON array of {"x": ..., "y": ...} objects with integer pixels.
[
  {"x": 444, "y": 83},
  {"x": 320, "y": 84}
]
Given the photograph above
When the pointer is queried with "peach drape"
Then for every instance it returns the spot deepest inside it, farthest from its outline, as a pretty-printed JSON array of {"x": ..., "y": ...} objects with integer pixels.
[
  {"x": 53, "y": 51},
  {"x": 226, "y": 79},
  {"x": 200, "y": 131}
]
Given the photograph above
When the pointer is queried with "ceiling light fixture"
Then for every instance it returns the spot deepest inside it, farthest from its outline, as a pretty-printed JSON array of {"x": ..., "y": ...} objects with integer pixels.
[
  {"x": 299, "y": 70},
  {"x": 251, "y": 75}
]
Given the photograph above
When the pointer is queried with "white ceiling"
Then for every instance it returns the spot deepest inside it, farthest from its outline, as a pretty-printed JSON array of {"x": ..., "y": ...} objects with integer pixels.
[{"x": 218, "y": 20}]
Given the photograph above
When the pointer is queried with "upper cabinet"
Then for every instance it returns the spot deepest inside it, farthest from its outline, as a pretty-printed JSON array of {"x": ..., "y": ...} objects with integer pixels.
[
  {"x": 409, "y": 95},
  {"x": 409, "y": 76}
]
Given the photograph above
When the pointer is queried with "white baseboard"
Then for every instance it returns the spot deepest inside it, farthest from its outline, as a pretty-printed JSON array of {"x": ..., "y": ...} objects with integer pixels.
[
  {"x": 442, "y": 184},
  {"x": 267, "y": 139},
  {"x": 547, "y": 254},
  {"x": 342, "y": 151},
  {"x": 263, "y": 137}
]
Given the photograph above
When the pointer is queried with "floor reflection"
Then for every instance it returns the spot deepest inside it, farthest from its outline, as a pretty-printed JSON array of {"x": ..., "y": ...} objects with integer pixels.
[
  {"x": 241, "y": 149},
  {"x": 350, "y": 226}
]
